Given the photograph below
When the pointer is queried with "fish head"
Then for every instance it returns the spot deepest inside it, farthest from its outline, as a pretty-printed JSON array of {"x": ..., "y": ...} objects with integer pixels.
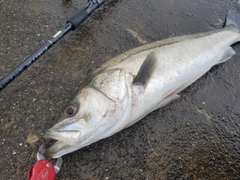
[{"x": 85, "y": 120}]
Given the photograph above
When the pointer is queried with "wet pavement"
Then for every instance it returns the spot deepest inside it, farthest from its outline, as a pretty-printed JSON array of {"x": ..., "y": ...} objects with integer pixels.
[{"x": 195, "y": 137}]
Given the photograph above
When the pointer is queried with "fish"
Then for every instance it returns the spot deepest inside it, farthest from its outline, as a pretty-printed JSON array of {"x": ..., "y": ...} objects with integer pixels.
[{"x": 131, "y": 85}]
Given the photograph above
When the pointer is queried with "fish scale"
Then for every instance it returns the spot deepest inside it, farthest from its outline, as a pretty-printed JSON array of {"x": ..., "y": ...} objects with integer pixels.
[{"x": 128, "y": 87}]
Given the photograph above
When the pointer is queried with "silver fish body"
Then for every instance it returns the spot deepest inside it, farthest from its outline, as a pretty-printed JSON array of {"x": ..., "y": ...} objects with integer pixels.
[{"x": 128, "y": 87}]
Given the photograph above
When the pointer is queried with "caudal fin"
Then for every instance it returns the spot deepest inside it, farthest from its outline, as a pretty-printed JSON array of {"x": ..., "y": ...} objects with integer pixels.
[{"x": 233, "y": 19}]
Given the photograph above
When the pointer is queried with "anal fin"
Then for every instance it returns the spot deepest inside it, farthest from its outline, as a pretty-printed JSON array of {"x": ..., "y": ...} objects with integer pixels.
[{"x": 227, "y": 54}]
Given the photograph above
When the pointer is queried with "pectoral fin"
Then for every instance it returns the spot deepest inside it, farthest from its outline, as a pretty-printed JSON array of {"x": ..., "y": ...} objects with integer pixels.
[{"x": 146, "y": 69}]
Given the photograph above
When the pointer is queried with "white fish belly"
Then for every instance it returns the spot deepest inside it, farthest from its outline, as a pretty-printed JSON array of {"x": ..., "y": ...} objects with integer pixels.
[{"x": 177, "y": 66}]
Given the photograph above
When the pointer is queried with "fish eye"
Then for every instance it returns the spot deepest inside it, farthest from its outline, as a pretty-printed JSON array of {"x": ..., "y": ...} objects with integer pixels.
[{"x": 70, "y": 110}]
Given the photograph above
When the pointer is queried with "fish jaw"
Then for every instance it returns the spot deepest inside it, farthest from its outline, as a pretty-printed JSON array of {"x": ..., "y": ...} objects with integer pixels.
[
  {"x": 72, "y": 140},
  {"x": 67, "y": 137}
]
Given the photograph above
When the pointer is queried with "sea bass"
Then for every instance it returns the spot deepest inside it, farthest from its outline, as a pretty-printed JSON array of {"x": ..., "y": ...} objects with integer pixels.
[{"x": 128, "y": 87}]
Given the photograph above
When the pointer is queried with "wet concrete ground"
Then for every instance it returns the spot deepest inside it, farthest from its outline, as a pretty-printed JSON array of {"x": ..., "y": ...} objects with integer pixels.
[{"x": 195, "y": 137}]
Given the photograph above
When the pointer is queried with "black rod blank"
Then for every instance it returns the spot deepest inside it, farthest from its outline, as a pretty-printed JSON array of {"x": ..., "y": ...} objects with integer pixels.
[{"x": 71, "y": 24}]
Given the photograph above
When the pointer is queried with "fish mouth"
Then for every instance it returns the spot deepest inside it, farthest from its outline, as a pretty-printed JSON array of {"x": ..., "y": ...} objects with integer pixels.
[{"x": 65, "y": 140}]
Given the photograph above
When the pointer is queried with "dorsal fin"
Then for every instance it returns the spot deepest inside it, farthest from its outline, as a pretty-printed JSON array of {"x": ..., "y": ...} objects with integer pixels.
[{"x": 146, "y": 69}]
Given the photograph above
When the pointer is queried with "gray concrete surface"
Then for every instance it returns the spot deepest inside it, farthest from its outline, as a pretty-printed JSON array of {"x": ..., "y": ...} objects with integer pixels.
[{"x": 195, "y": 137}]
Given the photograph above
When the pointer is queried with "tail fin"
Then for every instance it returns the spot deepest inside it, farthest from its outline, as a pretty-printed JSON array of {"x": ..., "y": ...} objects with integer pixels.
[{"x": 233, "y": 20}]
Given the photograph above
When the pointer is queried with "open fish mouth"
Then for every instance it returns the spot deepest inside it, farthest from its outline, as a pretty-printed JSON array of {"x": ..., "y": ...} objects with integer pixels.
[{"x": 65, "y": 139}]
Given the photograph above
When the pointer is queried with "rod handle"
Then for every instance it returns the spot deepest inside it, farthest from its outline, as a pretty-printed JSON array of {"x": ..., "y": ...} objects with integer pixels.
[
  {"x": 82, "y": 15},
  {"x": 78, "y": 19}
]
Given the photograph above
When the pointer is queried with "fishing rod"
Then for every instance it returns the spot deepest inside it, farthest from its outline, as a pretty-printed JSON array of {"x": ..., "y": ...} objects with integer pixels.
[{"x": 71, "y": 24}]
